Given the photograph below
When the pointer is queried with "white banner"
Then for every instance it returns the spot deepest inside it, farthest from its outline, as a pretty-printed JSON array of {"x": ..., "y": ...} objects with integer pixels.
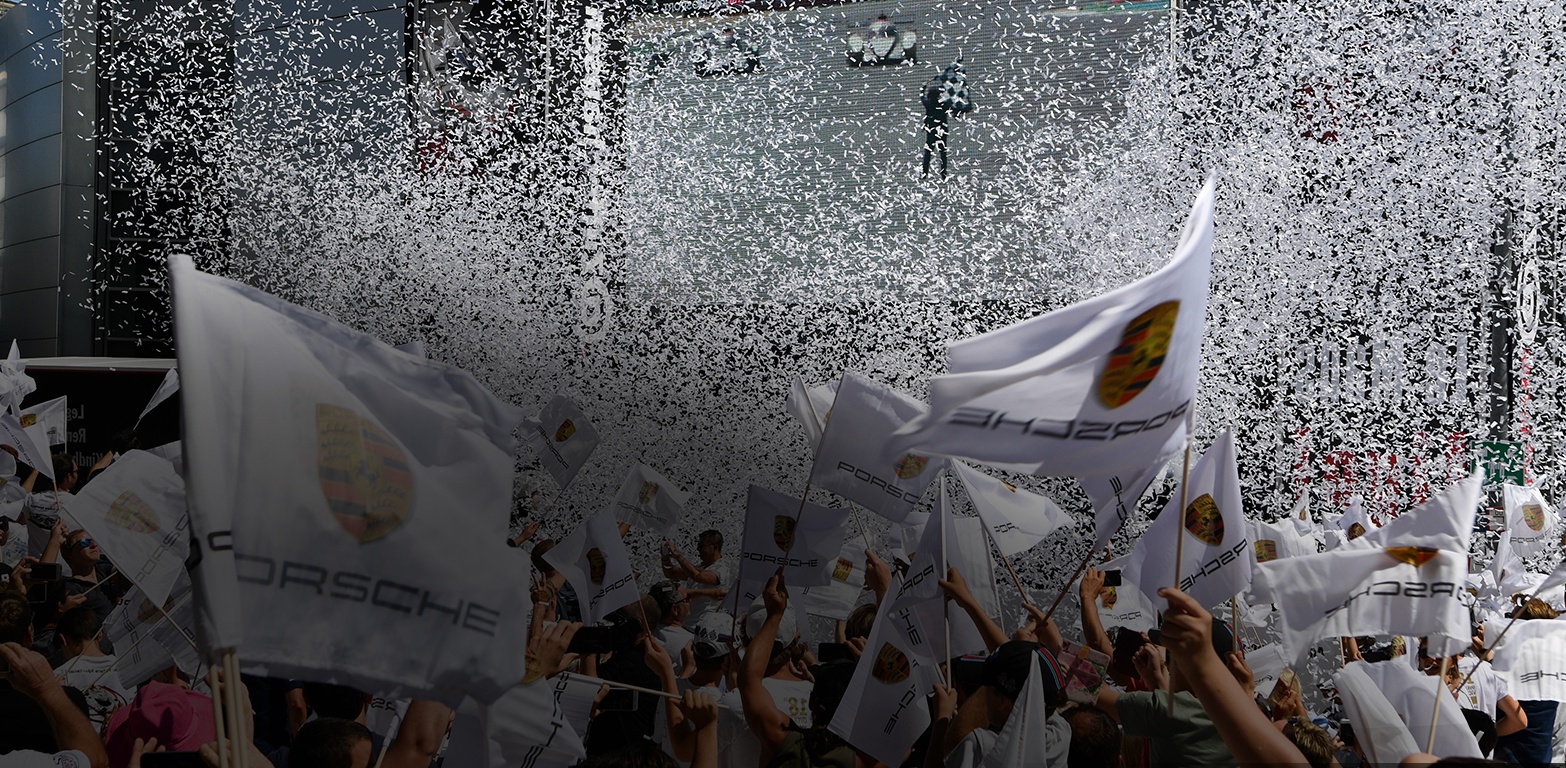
[
  {"x": 594, "y": 561},
  {"x": 343, "y": 494},
  {"x": 810, "y": 406},
  {"x": 1531, "y": 658},
  {"x": 562, "y": 437},
  {"x": 1016, "y": 519},
  {"x": 1533, "y": 524},
  {"x": 45, "y": 422},
  {"x": 1271, "y": 541},
  {"x": 805, "y": 547},
  {"x": 34, "y": 455},
  {"x": 837, "y": 598},
  {"x": 884, "y": 710},
  {"x": 135, "y": 510},
  {"x": 1094, "y": 389},
  {"x": 1114, "y": 497},
  {"x": 854, "y": 461},
  {"x": 648, "y": 500}
]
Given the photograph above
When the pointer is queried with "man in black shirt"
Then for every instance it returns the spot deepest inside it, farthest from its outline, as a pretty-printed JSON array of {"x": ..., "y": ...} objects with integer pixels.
[{"x": 626, "y": 718}]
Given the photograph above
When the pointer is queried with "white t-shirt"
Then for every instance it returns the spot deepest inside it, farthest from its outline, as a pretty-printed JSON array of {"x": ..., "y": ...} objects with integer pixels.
[
  {"x": 699, "y": 605},
  {"x": 792, "y": 697},
  {"x": 42, "y": 510},
  {"x": 1484, "y": 690},
  {"x": 674, "y": 640},
  {"x": 105, "y": 693}
]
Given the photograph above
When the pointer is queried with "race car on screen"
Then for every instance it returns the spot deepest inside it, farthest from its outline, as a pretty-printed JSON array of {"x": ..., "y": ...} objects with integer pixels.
[
  {"x": 883, "y": 42},
  {"x": 724, "y": 54}
]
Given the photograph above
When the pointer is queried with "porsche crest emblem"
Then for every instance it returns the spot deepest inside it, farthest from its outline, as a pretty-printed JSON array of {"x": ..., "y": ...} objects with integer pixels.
[
  {"x": 842, "y": 570},
  {"x": 147, "y": 610},
  {"x": 1204, "y": 521},
  {"x": 1415, "y": 556},
  {"x": 1533, "y": 517},
  {"x": 1107, "y": 597},
  {"x": 1266, "y": 550},
  {"x": 564, "y": 432},
  {"x": 649, "y": 490},
  {"x": 1135, "y": 361},
  {"x": 783, "y": 531},
  {"x": 1355, "y": 531},
  {"x": 597, "y": 566},
  {"x": 363, "y": 473},
  {"x": 910, "y": 465},
  {"x": 28, "y": 419},
  {"x": 891, "y": 666},
  {"x": 128, "y": 511}
]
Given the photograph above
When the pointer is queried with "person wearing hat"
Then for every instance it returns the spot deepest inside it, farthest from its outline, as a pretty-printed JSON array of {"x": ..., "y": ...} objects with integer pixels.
[
  {"x": 1188, "y": 737},
  {"x": 670, "y": 632},
  {"x": 964, "y": 735}
]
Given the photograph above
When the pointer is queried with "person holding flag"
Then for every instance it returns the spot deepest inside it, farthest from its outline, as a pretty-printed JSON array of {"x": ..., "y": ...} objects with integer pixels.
[{"x": 704, "y": 583}]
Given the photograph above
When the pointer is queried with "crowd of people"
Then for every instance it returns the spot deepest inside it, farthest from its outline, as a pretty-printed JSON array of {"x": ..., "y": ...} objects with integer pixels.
[{"x": 683, "y": 681}]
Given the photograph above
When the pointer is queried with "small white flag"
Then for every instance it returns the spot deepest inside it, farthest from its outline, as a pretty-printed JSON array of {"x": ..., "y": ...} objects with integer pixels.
[
  {"x": 1025, "y": 739},
  {"x": 34, "y": 455},
  {"x": 1115, "y": 497},
  {"x": 524, "y": 736},
  {"x": 1218, "y": 552},
  {"x": 1281, "y": 539},
  {"x": 562, "y": 437},
  {"x": 648, "y": 500},
  {"x": 165, "y": 390},
  {"x": 779, "y": 533},
  {"x": 1123, "y": 606},
  {"x": 1382, "y": 735},
  {"x": 1532, "y": 659},
  {"x": 15, "y": 384},
  {"x": 1097, "y": 388},
  {"x": 594, "y": 561},
  {"x": 1017, "y": 520},
  {"x": 1531, "y": 521},
  {"x": 1413, "y": 694},
  {"x": 45, "y": 422},
  {"x": 135, "y": 510},
  {"x": 883, "y": 711},
  {"x": 836, "y": 599},
  {"x": 854, "y": 460},
  {"x": 811, "y": 406}
]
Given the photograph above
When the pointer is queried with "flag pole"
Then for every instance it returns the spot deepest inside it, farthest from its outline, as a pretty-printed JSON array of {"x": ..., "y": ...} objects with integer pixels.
[
  {"x": 1516, "y": 614},
  {"x": 1185, "y": 480},
  {"x": 946, "y": 512},
  {"x": 1234, "y": 613},
  {"x": 240, "y": 739},
  {"x": 1436, "y": 710},
  {"x": 218, "y": 718},
  {"x": 1061, "y": 595}
]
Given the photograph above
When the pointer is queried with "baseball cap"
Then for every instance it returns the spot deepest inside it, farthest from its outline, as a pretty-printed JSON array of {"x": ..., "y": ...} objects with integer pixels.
[
  {"x": 667, "y": 593},
  {"x": 788, "y": 629},
  {"x": 1223, "y": 637},
  {"x": 1007, "y": 669},
  {"x": 179, "y": 719},
  {"x": 714, "y": 634}
]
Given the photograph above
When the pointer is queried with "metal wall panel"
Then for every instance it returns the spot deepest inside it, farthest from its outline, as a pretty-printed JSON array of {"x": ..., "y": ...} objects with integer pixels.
[
  {"x": 32, "y": 118},
  {"x": 29, "y": 266},
  {"x": 30, "y": 168}
]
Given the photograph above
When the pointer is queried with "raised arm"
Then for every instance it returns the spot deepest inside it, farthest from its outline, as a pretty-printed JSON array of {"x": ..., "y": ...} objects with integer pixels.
[
  {"x": 1093, "y": 634},
  {"x": 956, "y": 589},
  {"x": 30, "y": 674},
  {"x": 420, "y": 735},
  {"x": 766, "y": 721}
]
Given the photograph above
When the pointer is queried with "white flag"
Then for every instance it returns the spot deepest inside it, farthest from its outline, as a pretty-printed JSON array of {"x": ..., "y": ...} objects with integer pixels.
[
  {"x": 964, "y": 549},
  {"x": 1271, "y": 541},
  {"x": 1556, "y": 578},
  {"x": 854, "y": 461},
  {"x": 1413, "y": 694},
  {"x": 563, "y": 438},
  {"x": 1401, "y": 579},
  {"x": 1532, "y": 659},
  {"x": 34, "y": 455},
  {"x": 836, "y": 599},
  {"x": 1016, "y": 519},
  {"x": 165, "y": 390},
  {"x": 1218, "y": 553},
  {"x": 648, "y": 500},
  {"x": 1354, "y": 523},
  {"x": 883, "y": 711},
  {"x": 1115, "y": 497},
  {"x": 594, "y": 561},
  {"x": 135, "y": 510},
  {"x": 1123, "y": 606},
  {"x": 1025, "y": 739},
  {"x": 146, "y": 642},
  {"x": 15, "y": 384},
  {"x": 810, "y": 406},
  {"x": 1382, "y": 735},
  {"x": 1097, "y": 388},
  {"x": 1531, "y": 521},
  {"x": 779, "y": 533},
  {"x": 335, "y": 486},
  {"x": 1301, "y": 517},
  {"x": 525, "y": 736},
  {"x": 1267, "y": 663},
  {"x": 45, "y": 422}
]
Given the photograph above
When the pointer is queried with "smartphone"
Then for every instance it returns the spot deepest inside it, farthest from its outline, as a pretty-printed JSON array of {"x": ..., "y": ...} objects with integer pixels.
[
  {"x": 1346, "y": 733},
  {"x": 47, "y": 594},
  {"x": 45, "y": 572},
  {"x": 172, "y": 760},
  {"x": 608, "y": 639},
  {"x": 1112, "y": 578},
  {"x": 830, "y": 652}
]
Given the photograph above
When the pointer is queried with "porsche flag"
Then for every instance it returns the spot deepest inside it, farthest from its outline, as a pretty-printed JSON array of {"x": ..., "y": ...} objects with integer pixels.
[
  {"x": 1124, "y": 606},
  {"x": 45, "y": 422},
  {"x": 964, "y": 549},
  {"x": 1115, "y": 497},
  {"x": 1097, "y": 388},
  {"x": 883, "y": 711},
  {"x": 165, "y": 390},
  {"x": 15, "y": 384},
  {"x": 811, "y": 406},
  {"x": 594, "y": 561},
  {"x": 1532, "y": 659},
  {"x": 135, "y": 510},
  {"x": 32, "y": 454},
  {"x": 1016, "y": 519},
  {"x": 854, "y": 460},
  {"x": 562, "y": 437},
  {"x": 779, "y": 533},
  {"x": 1350, "y": 525},
  {"x": 1531, "y": 521},
  {"x": 648, "y": 500},
  {"x": 1382, "y": 735},
  {"x": 1218, "y": 559},
  {"x": 336, "y": 486},
  {"x": 1402, "y": 579},
  {"x": 1271, "y": 541},
  {"x": 836, "y": 599},
  {"x": 1413, "y": 694}
]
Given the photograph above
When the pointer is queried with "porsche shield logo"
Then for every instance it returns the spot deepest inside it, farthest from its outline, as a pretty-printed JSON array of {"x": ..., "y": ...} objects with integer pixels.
[
  {"x": 28, "y": 419},
  {"x": 1266, "y": 550},
  {"x": 1533, "y": 517},
  {"x": 564, "y": 432},
  {"x": 1204, "y": 521},
  {"x": 783, "y": 531},
  {"x": 910, "y": 465},
  {"x": 842, "y": 570},
  {"x": 649, "y": 490},
  {"x": 1135, "y": 361},
  {"x": 128, "y": 511},
  {"x": 1107, "y": 597},
  {"x": 147, "y": 610},
  {"x": 596, "y": 565},
  {"x": 1355, "y": 531},
  {"x": 891, "y": 666},
  {"x": 364, "y": 475},
  {"x": 1415, "y": 556}
]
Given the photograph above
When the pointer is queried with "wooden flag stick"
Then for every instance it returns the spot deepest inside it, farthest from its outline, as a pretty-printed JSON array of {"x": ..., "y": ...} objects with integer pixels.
[
  {"x": 240, "y": 736},
  {"x": 1492, "y": 645},
  {"x": 1059, "y": 596},
  {"x": 1436, "y": 710},
  {"x": 219, "y": 721},
  {"x": 648, "y": 691},
  {"x": 945, "y": 513},
  {"x": 1185, "y": 479}
]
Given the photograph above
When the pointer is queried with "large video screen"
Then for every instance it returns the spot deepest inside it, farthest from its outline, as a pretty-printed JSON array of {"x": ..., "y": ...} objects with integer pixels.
[{"x": 794, "y": 154}]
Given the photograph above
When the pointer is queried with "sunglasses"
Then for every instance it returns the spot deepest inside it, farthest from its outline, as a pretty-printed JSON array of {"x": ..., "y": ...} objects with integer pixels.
[{"x": 84, "y": 543}]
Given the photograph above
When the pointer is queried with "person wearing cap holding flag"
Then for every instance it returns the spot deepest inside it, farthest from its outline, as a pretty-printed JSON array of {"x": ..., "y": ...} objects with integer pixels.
[
  {"x": 1188, "y": 737},
  {"x": 965, "y": 735}
]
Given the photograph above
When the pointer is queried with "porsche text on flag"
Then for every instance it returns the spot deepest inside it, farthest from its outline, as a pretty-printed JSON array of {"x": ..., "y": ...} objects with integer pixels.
[
  {"x": 854, "y": 460},
  {"x": 562, "y": 437}
]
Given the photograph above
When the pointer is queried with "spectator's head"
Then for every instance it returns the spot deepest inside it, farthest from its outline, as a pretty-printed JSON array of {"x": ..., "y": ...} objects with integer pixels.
[
  {"x": 1312, "y": 742},
  {"x": 335, "y": 701},
  {"x": 860, "y": 620},
  {"x": 645, "y": 608},
  {"x": 77, "y": 629},
  {"x": 788, "y": 631},
  {"x": 1121, "y": 667},
  {"x": 64, "y": 473},
  {"x": 672, "y": 602},
  {"x": 832, "y": 679},
  {"x": 1006, "y": 674},
  {"x": 1533, "y": 608},
  {"x": 709, "y": 545},
  {"x": 967, "y": 675},
  {"x": 1095, "y": 738},
  {"x": 330, "y": 742},
  {"x": 537, "y": 556},
  {"x": 713, "y": 641},
  {"x": 124, "y": 441},
  {"x": 16, "y": 619},
  {"x": 81, "y": 551}
]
